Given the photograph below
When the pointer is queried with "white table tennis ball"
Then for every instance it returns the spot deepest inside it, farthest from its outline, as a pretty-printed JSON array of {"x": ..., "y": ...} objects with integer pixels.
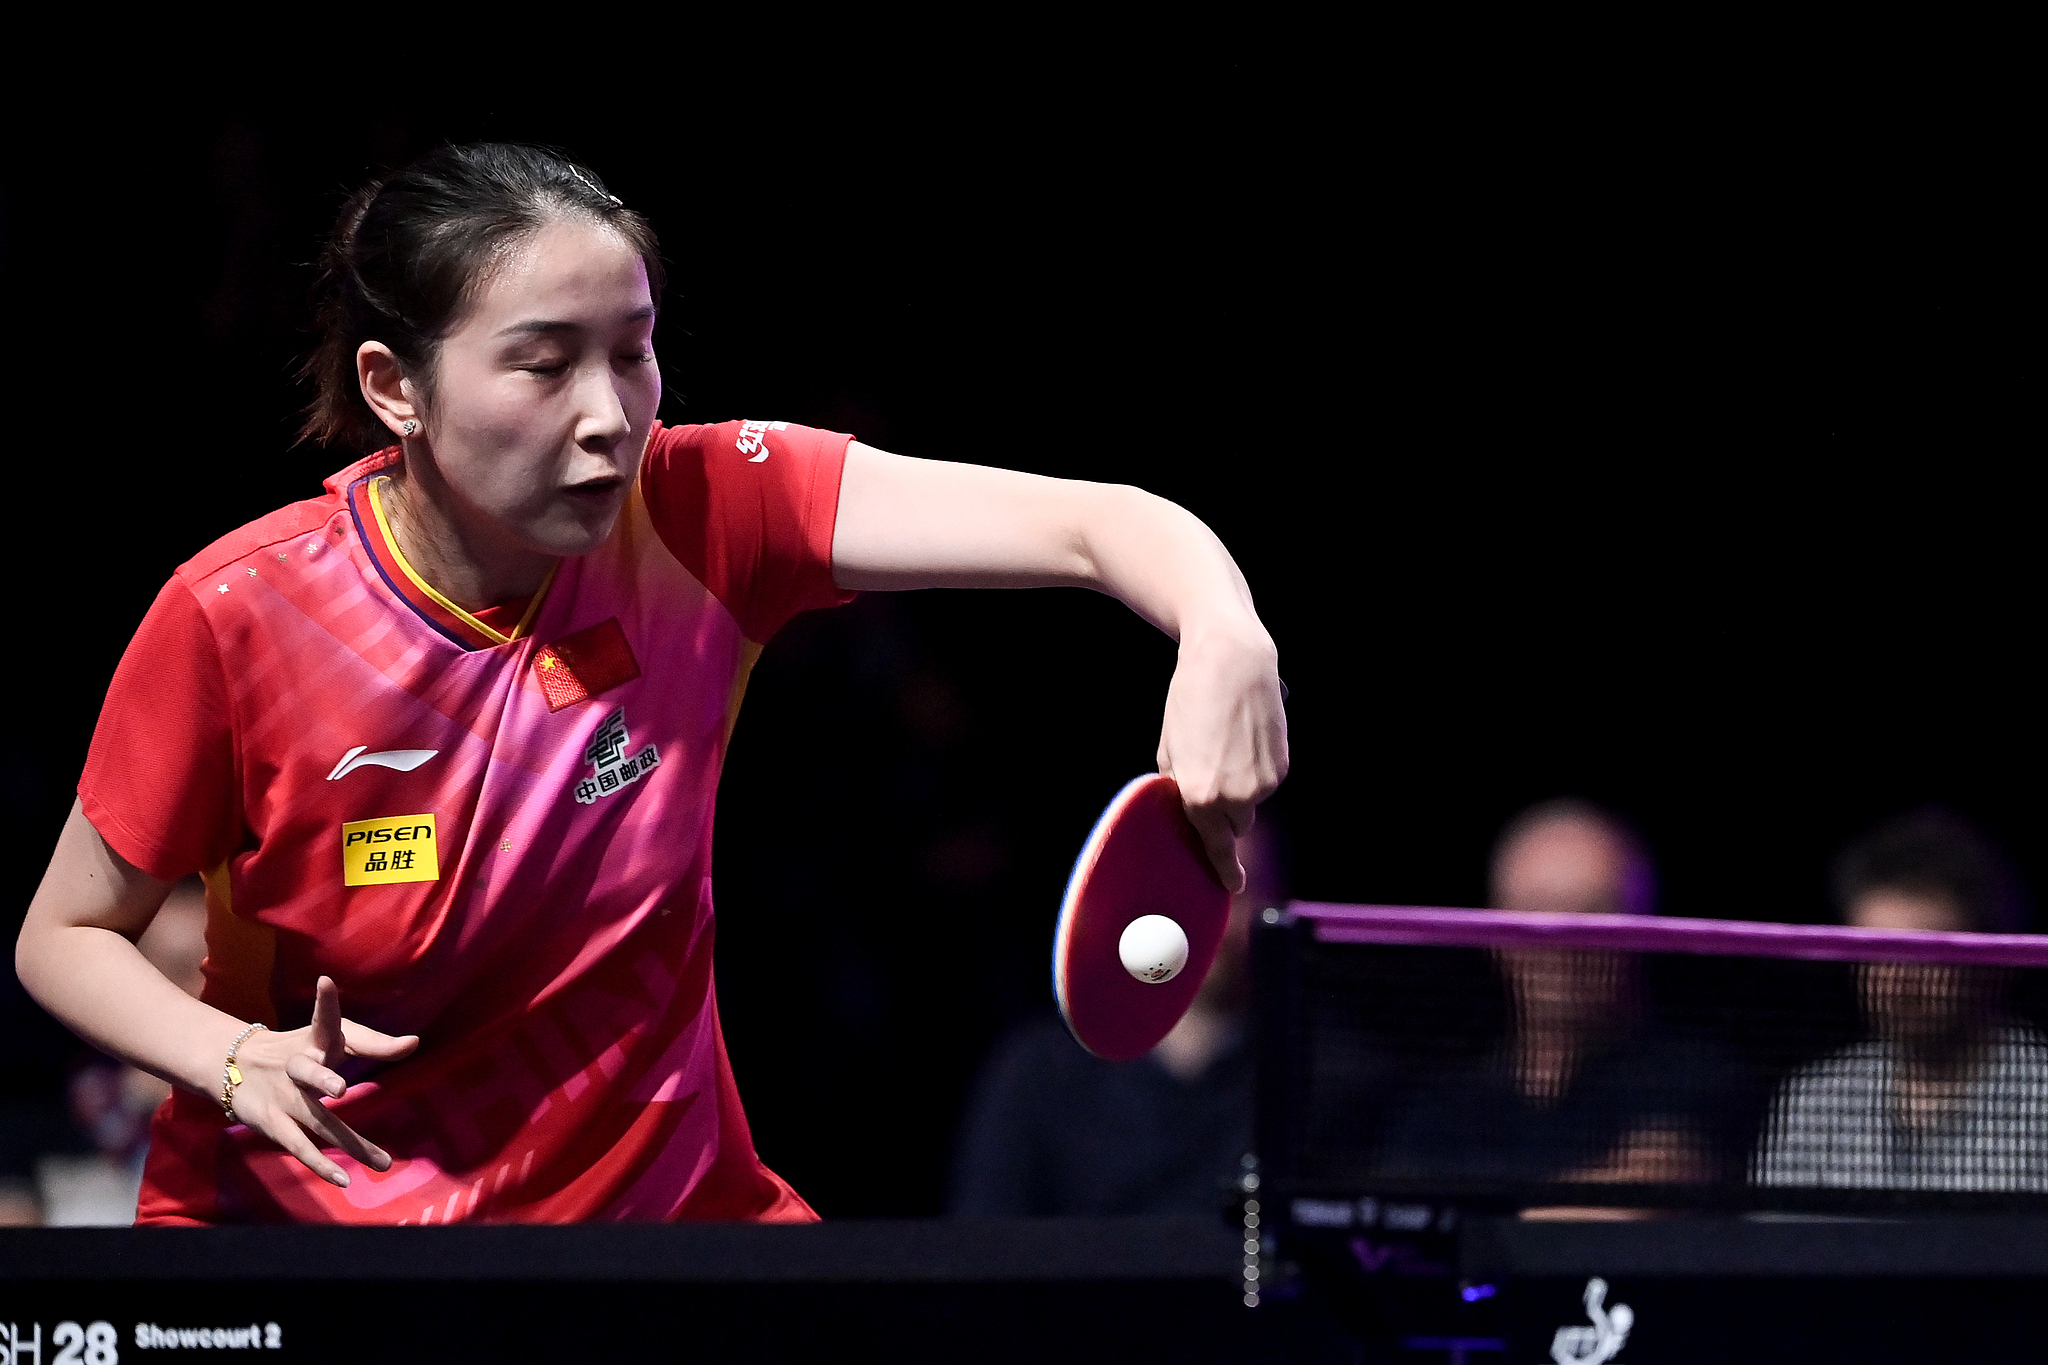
[{"x": 1153, "y": 949}]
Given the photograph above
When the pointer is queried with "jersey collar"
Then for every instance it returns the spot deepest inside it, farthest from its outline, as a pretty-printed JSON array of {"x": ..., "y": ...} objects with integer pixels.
[{"x": 499, "y": 625}]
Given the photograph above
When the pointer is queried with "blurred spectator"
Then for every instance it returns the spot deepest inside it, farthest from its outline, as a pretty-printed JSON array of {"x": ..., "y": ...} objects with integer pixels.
[
  {"x": 19, "y": 1207},
  {"x": 1052, "y": 1130},
  {"x": 111, "y": 1102},
  {"x": 1583, "y": 1087},
  {"x": 1949, "y": 1091}
]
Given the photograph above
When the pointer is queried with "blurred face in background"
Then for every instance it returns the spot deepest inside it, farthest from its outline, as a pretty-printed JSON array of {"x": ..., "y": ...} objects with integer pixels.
[
  {"x": 1921, "y": 1005},
  {"x": 1569, "y": 865}
]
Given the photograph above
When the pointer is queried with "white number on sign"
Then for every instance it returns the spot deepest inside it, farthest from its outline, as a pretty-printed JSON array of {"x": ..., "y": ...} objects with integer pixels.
[{"x": 97, "y": 1342}]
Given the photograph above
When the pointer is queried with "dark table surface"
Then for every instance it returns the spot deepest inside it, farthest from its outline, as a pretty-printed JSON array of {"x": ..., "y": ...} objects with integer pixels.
[
  {"x": 997, "y": 1250},
  {"x": 1979, "y": 1246}
]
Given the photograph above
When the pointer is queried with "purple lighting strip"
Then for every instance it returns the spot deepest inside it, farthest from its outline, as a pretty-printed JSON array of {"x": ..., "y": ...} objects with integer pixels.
[{"x": 1429, "y": 926}]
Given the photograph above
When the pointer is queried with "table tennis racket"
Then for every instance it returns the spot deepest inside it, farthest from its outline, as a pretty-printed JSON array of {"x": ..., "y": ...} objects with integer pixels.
[{"x": 1142, "y": 858}]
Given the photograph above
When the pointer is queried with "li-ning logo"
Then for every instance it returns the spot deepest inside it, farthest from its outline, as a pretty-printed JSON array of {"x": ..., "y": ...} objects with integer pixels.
[
  {"x": 1601, "y": 1342},
  {"x": 754, "y": 438},
  {"x": 404, "y": 760},
  {"x": 610, "y": 768}
]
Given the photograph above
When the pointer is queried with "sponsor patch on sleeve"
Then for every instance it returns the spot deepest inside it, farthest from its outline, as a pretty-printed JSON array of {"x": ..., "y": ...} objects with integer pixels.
[{"x": 391, "y": 848}]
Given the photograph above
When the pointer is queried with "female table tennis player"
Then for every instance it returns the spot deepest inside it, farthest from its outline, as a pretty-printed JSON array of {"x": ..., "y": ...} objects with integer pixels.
[{"x": 444, "y": 740}]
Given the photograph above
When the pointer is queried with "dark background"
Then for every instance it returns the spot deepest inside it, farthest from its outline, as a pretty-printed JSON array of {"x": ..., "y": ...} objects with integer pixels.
[{"x": 1668, "y": 444}]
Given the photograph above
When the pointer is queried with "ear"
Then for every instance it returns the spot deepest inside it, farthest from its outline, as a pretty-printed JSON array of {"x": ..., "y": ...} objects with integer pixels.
[{"x": 385, "y": 387}]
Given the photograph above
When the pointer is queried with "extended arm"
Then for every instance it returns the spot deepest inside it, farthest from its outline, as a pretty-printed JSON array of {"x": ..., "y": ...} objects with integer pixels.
[
  {"x": 907, "y": 523},
  {"x": 77, "y": 956}
]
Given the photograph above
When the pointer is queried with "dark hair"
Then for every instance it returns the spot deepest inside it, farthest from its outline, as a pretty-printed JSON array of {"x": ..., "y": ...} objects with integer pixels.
[
  {"x": 1935, "y": 852},
  {"x": 408, "y": 251}
]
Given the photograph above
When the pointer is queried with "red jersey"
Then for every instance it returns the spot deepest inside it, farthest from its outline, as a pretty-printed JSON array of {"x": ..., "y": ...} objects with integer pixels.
[{"x": 491, "y": 829}]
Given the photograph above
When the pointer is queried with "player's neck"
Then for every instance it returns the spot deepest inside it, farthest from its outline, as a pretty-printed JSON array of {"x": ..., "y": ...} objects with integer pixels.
[{"x": 466, "y": 559}]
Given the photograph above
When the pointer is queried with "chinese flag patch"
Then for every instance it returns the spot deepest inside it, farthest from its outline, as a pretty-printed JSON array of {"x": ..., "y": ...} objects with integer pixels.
[{"x": 578, "y": 667}]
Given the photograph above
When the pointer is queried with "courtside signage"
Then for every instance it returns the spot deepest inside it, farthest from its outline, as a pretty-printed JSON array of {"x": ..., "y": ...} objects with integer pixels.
[{"x": 391, "y": 848}]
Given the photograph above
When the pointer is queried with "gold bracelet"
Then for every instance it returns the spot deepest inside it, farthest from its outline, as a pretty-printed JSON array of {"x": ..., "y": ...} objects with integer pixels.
[{"x": 231, "y": 1075}]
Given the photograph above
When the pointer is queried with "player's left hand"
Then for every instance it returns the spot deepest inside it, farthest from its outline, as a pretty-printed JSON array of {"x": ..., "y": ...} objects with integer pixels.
[{"x": 1224, "y": 741}]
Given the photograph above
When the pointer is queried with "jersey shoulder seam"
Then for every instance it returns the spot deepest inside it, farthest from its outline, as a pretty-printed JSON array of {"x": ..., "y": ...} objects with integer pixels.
[{"x": 286, "y": 523}]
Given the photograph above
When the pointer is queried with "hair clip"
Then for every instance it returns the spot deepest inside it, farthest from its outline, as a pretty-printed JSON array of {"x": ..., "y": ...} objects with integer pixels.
[{"x": 595, "y": 188}]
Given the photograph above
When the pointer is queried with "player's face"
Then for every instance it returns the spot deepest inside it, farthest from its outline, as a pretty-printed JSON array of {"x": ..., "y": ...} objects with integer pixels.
[{"x": 545, "y": 391}]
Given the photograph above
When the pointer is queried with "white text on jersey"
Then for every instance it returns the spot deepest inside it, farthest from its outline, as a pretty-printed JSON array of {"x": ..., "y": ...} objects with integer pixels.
[{"x": 754, "y": 437}]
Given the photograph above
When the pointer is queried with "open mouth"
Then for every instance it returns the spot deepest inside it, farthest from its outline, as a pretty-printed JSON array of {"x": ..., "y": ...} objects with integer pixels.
[{"x": 595, "y": 490}]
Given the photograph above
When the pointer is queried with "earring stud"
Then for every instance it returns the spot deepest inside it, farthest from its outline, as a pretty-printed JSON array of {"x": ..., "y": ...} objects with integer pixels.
[{"x": 408, "y": 427}]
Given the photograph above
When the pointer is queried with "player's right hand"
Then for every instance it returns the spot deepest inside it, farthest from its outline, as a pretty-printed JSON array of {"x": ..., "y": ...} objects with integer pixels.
[{"x": 285, "y": 1075}]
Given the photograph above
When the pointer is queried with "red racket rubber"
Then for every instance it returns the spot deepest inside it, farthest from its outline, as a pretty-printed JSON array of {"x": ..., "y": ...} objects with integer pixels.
[{"x": 1142, "y": 858}]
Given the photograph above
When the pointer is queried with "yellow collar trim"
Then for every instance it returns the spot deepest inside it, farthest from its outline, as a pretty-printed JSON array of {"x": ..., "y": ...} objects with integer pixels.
[{"x": 496, "y": 637}]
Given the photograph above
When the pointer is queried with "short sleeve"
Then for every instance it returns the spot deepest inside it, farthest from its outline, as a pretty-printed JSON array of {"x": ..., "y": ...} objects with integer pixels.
[
  {"x": 749, "y": 508},
  {"x": 159, "y": 782}
]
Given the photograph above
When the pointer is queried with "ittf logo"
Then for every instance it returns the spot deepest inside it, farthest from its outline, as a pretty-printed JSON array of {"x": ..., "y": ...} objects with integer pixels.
[{"x": 391, "y": 848}]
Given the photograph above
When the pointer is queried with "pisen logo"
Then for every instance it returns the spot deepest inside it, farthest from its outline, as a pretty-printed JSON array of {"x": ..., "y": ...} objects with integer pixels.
[
  {"x": 610, "y": 767},
  {"x": 753, "y": 441},
  {"x": 391, "y": 848}
]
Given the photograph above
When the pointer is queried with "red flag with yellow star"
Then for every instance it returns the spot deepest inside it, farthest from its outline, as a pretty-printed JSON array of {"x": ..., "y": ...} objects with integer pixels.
[{"x": 578, "y": 667}]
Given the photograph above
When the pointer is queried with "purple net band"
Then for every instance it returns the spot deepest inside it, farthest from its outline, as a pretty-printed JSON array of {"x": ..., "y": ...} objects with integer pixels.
[{"x": 1426, "y": 925}]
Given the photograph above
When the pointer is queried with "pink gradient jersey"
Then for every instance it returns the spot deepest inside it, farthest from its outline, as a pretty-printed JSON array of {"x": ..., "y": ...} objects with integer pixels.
[{"x": 500, "y": 842}]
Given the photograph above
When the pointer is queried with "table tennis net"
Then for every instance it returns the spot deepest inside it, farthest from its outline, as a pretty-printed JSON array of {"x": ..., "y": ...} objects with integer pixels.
[{"x": 1623, "y": 1059}]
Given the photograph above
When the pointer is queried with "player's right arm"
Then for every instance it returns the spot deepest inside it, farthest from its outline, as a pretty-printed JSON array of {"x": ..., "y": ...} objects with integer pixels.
[{"x": 77, "y": 957}]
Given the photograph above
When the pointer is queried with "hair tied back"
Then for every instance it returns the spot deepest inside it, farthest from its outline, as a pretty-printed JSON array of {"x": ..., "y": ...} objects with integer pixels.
[{"x": 407, "y": 250}]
